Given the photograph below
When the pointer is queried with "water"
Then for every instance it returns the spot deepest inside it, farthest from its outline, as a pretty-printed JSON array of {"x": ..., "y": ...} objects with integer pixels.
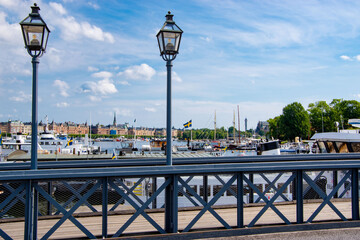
[{"x": 110, "y": 146}]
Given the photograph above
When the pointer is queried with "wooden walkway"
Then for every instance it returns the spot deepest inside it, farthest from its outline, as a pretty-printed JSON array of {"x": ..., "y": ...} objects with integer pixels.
[{"x": 69, "y": 231}]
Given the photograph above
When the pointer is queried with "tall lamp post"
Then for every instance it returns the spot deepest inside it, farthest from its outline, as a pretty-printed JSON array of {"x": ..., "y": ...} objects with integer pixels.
[
  {"x": 169, "y": 38},
  {"x": 35, "y": 33}
]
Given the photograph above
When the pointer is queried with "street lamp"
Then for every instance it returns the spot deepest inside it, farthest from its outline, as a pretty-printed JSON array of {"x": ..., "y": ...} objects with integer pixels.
[
  {"x": 322, "y": 119},
  {"x": 36, "y": 34},
  {"x": 169, "y": 38}
]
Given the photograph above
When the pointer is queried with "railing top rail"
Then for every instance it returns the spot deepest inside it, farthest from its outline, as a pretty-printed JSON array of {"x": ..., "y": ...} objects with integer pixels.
[
  {"x": 176, "y": 161},
  {"x": 200, "y": 169}
]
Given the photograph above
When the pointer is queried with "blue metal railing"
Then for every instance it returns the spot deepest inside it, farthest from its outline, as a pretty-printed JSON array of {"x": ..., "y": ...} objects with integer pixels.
[{"x": 26, "y": 187}]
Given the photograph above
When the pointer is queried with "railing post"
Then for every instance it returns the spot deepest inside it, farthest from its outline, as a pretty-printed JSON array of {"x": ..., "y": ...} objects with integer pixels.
[
  {"x": 36, "y": 211},
  {"x": 49, "y": 205},
  {"x": 153, "y": 190},
  {"x": 299, "y": 197},
  {"x": 355, "y": 193},
  {"x": 240, "y": 199},
  {"x": 105, "y": 198},
  {"x": 251, "y": 191},
  {"x": 171, "y": 205},
  {"x": 29, "y": 210},
  {"x": 205, "y": 188},
  {"x": 335, "y": 182}
]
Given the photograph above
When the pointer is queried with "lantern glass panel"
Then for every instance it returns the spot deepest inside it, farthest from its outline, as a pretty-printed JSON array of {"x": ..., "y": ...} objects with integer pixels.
[
  {"x": 33, "y": 36},
  {"x": 177, "y": 41},
  {"x": 169, "y": 39},
  {"x": 45, "y": 38},
  {"x": 161, "y": 43}
]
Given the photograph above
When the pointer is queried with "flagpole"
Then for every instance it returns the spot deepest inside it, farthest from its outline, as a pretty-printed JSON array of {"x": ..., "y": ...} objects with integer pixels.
[{"x": 239, "y": 123}]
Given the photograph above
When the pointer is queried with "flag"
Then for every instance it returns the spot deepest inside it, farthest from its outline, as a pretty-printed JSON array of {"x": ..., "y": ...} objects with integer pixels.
[
  {"x": 113, "y": 156},
  {"x": 70, "y": 142},
  {"x": 188, "y": 124},
  {"x": 135, "y": 120},
  {"x": 1, "y": 141}
]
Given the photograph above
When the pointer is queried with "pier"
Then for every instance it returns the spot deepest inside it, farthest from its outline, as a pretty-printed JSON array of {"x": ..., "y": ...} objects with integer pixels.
[{"x": 126, "y": 198}]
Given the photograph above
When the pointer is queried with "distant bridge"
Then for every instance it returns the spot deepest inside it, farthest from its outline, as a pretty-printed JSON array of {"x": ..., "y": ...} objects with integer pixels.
[{"x": 105, "y": 198}]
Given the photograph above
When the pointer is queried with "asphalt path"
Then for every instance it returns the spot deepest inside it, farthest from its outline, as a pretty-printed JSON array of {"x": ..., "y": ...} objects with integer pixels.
[{"x": 329, "y": 234}]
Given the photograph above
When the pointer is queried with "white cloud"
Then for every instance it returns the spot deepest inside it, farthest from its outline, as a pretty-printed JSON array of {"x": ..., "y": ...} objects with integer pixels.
[
  {"x": 96, "y": 33},
  {"x": 83, "y": 29},
  {"x": 95, "y": 98},
  {"x": 346, "y": 58},
  {"x": 174, "y": 76},
  {"x": 62, "y": 105},
  {"x": 123, "y": 112},
  {"x": 58, "y": 8},
  {"x": 103, "y": 74},
  {"x": 206, "y": 39},
  {"x": 269, "y": 33},
  {"x": 11, "y": 33},
  {"x": 148, "y": 109},
  {"x": 9, "y": 3},
  {"x": 62, "y": 87},
  {"x": 102, "y": 87},
  {"x": 21, "y": 97},
  {"x": 54, "y": 55},
  {"x": 94, "y": 5},
  {"x": 139, "y": 72},
  {"x": 125, "y": 83},
  {"x": 92, "y": 69}
]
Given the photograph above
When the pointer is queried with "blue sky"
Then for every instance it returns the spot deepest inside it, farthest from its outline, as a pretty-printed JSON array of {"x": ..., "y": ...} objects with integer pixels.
[{"x": 102, "y": 57}]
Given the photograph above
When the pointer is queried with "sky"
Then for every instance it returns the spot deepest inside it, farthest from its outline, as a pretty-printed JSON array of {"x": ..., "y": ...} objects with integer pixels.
[{"x": 103, "y": 58}]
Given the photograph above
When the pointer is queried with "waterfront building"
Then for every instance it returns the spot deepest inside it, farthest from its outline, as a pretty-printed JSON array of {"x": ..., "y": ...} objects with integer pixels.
[
  {"x": 262, "y": 126},
  {"x": 14, "y": 127}
]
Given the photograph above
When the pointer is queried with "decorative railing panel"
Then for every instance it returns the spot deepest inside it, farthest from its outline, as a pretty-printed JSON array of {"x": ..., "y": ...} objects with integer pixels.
[{"x": 120, "y": 200}]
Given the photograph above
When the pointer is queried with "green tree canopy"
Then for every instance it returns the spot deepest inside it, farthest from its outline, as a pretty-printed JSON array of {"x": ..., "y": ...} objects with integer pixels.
[
  {"x": 345, "y": 110},
  {"x": 322, "y": 117},
  {"x": 274, "y": 128},
  {"x": 295, "y": 122}
]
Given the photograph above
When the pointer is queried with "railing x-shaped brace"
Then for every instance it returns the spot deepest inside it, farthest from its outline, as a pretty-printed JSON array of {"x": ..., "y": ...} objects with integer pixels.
[
  {"x": 272, "y": 186},
  {"x": 17, "y": 193},
  {"x": 207, "y": 206},
  {"x": 269, "y": 203},
  {"x": 130, "y": 191},
  {"x": 68, "y": 214},
  {"x": 325, "y": 197},
  {"x": 139, "y": 210}
]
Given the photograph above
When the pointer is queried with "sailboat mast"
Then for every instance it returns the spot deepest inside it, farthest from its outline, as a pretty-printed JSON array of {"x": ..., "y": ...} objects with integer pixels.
[
  {"x": 215, "y": 126},
  {"x": 238, "y": 122},
  {"x": 90, "y": 130},
  {"x": 234, "y": 128}
]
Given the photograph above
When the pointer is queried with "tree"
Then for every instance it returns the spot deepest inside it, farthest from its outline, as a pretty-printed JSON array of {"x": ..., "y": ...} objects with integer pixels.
[
  {"x": 295, "y": 122},
  {"x": 345, "y": 110},
  {"x": 274, "y": 128},
  {"x": 322, "y": 117}
]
